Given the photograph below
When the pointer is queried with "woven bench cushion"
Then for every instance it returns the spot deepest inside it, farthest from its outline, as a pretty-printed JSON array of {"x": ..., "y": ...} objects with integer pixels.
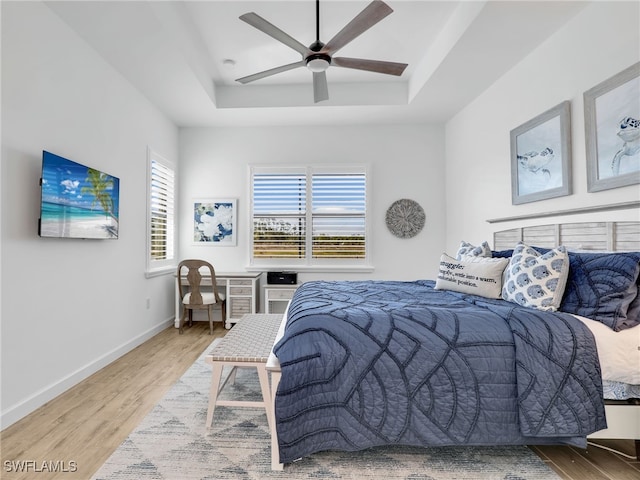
[{"x": 250, "y": 340}]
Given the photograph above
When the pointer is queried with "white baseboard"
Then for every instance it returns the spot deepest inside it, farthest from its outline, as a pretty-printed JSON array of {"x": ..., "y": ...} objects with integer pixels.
[{"x": 31, "y": 403}]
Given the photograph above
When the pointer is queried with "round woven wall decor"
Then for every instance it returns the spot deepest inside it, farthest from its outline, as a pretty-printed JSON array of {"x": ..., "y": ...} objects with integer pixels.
[{"x": 405, "y": 218}]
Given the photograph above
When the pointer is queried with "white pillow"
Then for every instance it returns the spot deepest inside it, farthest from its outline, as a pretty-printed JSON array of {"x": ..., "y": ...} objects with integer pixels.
[
  {"x": 475, "y": 275},
  {"x": 468, "y": 250},
  {"x": 535, "y": 280}
]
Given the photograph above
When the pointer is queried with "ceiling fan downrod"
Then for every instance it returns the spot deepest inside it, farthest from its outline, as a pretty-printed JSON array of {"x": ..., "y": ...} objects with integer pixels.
[
  {"x": 317, "y": 62},
  {"x": 317, "y": 21}
]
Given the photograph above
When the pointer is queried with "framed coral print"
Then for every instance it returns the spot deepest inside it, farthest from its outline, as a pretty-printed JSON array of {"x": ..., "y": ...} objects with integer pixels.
[
  {"x": 541, "y": 156},
  {"x": 612, "y": 131},
  {"x": 214, "y": 222}
]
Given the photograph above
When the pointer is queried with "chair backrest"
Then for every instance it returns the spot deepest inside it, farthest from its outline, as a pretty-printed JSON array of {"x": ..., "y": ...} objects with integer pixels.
[{"x": 190, "y": 269}]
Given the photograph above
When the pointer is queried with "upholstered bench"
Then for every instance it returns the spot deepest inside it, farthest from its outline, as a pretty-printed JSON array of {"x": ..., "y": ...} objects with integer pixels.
[{"x": 247, "y": 344}]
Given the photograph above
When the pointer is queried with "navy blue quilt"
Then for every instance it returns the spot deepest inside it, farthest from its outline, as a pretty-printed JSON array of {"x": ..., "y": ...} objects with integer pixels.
[{"x": 373, "y": 363}]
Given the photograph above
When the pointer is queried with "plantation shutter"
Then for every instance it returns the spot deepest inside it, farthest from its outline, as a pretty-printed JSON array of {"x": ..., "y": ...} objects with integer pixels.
[
  {"x": 161, "y": 213},
  {"x": 338, "y": 215},
  {"x": 309, "y": 216},
  {"x": 279, "y": 215}
]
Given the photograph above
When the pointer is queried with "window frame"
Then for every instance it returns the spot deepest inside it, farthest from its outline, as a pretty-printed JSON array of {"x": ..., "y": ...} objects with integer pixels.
[
  {"x": 308, "y": 263},
  {"x": 155, "y": 267}
]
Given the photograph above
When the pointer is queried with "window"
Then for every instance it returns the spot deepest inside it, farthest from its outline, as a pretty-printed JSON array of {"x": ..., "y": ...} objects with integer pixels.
[
  {"x": 309, "y": 216},
  {"x": 160, "y": 215}
]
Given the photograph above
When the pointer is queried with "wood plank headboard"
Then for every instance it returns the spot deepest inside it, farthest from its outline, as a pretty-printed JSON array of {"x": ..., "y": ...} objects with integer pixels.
[{"x": 597, "y": 236}]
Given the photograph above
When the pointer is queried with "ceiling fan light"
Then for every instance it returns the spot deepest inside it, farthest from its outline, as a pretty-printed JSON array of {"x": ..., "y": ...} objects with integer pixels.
[{"x": 318, "y": 63}]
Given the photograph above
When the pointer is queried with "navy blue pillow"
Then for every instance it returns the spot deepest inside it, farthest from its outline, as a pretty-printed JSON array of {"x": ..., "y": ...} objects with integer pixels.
[
  {"x": 634, "y": 308},
  {"x": 604, "y": 287},
  {"x": 601, "y": 286}
]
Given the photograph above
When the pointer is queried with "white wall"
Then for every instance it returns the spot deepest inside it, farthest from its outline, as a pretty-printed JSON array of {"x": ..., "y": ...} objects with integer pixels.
[
  {"x": 599, "y": 42},
  {"x": 70, "y": 306},
  {"x": 404, "y": 162}
]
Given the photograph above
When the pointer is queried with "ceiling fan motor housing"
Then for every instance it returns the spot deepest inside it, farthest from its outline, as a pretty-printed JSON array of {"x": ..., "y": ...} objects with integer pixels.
[{"x": 318, "y": 62}]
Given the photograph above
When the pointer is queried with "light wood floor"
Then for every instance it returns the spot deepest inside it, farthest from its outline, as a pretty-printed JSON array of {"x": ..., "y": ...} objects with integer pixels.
[{"x": 87, "y": 423}]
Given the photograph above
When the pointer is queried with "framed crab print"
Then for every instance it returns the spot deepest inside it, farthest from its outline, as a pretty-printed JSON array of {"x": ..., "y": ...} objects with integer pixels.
[
  {"x": 541, "y": 156},
  {"x": 214, "y": 222},
  {"x": 612, "y": 131}
]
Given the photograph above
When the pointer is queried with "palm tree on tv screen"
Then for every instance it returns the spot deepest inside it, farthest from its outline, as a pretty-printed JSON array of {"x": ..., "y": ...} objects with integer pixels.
[{"x": 101, "y": 185}]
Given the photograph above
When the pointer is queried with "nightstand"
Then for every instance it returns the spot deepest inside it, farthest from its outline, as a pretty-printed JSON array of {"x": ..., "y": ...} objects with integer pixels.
[{"x": 276, "y": 297}]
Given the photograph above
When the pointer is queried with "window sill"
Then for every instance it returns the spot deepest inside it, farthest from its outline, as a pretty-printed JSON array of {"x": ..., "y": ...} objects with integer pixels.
[
  {"x": 157, "y": 272},
  {"x": 312, "y": 268}
]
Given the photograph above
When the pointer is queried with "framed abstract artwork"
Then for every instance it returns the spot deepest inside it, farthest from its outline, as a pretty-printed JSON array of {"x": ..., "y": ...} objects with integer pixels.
[
  {"x": 612, "y": 131},
  {"x": 214, "y": 222},
  {"x": 541, "y": 156}
]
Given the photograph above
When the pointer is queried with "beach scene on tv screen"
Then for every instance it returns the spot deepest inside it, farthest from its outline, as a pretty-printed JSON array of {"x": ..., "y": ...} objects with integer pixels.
[{"x": 77, "y": 201}]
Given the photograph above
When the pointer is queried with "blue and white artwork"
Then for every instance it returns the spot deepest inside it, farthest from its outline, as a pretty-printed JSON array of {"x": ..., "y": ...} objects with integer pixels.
[
  {"x": 214, "y": 222},
  {"x": 618, "y": 130},
  {"x": 539, "y": 154}
]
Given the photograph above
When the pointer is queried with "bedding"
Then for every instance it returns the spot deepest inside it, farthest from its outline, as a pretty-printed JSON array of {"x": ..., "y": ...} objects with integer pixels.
[
  {"x": 371, "y": 363},
  {"x": 601, "y": 286},
  {"x": 618, "y": 352},
  {"x": 619, "y": 390},
  {"x": 466, "y": 249}
]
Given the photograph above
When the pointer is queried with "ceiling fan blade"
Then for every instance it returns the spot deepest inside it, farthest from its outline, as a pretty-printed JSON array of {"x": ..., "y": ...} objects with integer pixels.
[
  {"x": 272, "y": 71},
  {"x": 366, "y": 19},
  {"x": 320, "y": 89},
  {"x": 389, "y": 68},
  {"x": 261, "y": 24}
]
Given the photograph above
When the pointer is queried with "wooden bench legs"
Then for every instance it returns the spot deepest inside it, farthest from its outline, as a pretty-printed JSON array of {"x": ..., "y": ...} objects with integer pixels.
[
  {"x": 275, "y": 448},
  {"x": 216, "y": 388},
  {"x": 248, "y": 344}
]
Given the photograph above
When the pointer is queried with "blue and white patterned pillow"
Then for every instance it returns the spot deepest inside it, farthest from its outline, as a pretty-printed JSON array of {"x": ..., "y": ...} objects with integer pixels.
[
  {"x": 468, "y": 250},
  {"x": 536, "y": 280}
]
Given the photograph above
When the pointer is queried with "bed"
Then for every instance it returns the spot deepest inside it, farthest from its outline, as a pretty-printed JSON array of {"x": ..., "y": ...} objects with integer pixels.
[{"x": 369, "y": 363}]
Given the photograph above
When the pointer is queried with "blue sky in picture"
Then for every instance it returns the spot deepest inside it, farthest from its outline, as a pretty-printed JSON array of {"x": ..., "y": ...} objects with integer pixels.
[{"x": 65, "y": 182}]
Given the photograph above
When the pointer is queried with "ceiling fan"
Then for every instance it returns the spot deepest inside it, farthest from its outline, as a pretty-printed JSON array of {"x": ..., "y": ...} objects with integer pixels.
[{"x": 318, "y": 56}]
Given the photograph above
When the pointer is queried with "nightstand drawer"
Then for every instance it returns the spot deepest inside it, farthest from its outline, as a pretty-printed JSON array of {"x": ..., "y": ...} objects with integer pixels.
[{"x": 280, "y": 293}]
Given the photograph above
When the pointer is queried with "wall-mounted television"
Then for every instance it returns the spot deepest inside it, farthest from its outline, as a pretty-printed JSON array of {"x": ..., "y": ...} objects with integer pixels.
[{"x": 77, "y": 201}]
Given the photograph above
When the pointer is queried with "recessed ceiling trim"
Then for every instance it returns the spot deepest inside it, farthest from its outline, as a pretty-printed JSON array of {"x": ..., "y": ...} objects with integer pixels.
[
  {"x": 462, "y": 17},
  {"x": 250, "y": 96}
]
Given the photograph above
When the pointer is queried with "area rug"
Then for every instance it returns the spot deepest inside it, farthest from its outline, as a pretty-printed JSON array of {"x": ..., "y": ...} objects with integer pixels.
[{"x": 172, "y": 443}]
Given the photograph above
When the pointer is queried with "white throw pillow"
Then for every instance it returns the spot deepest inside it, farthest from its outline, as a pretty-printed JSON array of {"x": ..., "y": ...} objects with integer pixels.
[
  {"x": 475, "y": 275},
  {"x": 536, "y": 280},
  {"x": 468, "y": 250}
]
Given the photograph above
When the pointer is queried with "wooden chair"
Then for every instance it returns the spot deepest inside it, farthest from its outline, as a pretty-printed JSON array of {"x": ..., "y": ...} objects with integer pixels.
[{"x": 194, "y": 298}]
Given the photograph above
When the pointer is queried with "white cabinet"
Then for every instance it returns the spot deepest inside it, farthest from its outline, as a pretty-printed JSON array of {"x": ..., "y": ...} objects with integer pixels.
[
  {"x": 276, "y": 297},
  {"x": 241, "y": 299}
]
